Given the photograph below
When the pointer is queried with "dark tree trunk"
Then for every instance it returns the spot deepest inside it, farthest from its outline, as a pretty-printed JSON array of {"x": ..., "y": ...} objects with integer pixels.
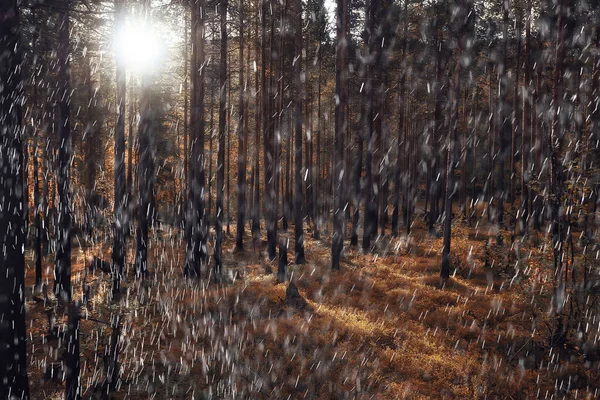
[
  {"x": 118, "y": 254},
  {"x": 72, "y": 361},
  {"x": 196, "y": 237},
  {"x": 504, "y": 126},
  {"x": 437, "y": 138},
  {"x": 526, "y": 124},
  {"x": 145, "y": 175},
  {"x": 36, "y": 173},
  {"x": 491, "y": 144},
  {"x": 186, "y": 153},
  {"x": 298, "y": 98},
  {"x": 13, "y": 348},
  {"x": 317, "y": 171},
  {"x": 228, "y": 151},
  {"x": 515, "y": 121},
  {"x": 269, "y": 161},
  {"x": 462, "y": 16},
  {"x": 538, "y": 201},
  {"x": 370, "y": 218},
  {"x": 257, "y": 128},
  {"x": 62, "y": 274},
  {"x": 220, "y": 211},
  {"x": 340, "y": 128},
  {"x": 242, "y": 134},
  {"x": 398, "y": 169},
  {"x": 557, "y": 179},
  {"x": 130, "y": 150}
]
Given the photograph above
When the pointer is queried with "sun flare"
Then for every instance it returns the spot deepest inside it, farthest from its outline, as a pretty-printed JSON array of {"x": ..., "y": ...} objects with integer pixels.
[{"x": 139, "y": 47}]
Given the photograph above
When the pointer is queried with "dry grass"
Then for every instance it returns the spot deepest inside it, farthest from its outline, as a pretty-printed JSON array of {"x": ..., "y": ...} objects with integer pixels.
[{"x": 382, "y": 327}]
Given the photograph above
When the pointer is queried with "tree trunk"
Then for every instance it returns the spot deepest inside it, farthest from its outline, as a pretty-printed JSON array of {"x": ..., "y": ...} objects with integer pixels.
[
  {"x": 462, "y": 15},
  {"x": 241, "y": 186},
  {"x": 526, "y": 124},
  {"x": 118, "y": 253},
  {"x": 341, "y": 75},
  {"x": 437, "y": 138},
  {"x": 196, "y": 230},
  {"x": 220, "y": 211},
  {"x": 298, "y": 99},
  {"x": 185, "y": 117},
  {"x": 258, "y": 126},
  {"x": 504, "y": 126},
  {"x": 370, "y": 193},
  {"x": 13, "y": 348},
  {"x": 557, "y": 182},
  {"x": 72, "y": 360},
  {"x": 62, "y": 274},
  {"x": 269, "y": 161}
]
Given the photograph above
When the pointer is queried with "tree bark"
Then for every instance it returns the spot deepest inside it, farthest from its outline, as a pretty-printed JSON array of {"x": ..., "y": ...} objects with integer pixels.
[
  {"x": 242, "y": 134},
  {"x": 118, "y": 253},
  {"x": 298, "y": 119},
  {"x": 220, "y": 211},
  {"x": 13, "y": 348},
  {"x": 62, "y": 275}
]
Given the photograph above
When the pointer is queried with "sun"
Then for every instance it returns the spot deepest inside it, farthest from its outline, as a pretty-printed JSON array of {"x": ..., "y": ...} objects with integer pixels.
[{"x": 138, "y": 46}]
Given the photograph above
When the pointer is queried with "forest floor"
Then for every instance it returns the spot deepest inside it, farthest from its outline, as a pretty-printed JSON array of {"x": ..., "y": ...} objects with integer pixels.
[{"x": 382, "y": 327}]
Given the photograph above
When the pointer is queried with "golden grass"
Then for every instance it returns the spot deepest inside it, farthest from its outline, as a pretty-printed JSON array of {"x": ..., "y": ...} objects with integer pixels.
[{"x": 382, "y": 327}]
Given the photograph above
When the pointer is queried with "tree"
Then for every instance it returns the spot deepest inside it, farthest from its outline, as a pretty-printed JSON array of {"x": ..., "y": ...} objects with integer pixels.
[
  {"x": 62, "y": 274},
  {"x": 504, "y": 123},
  {"x": 526, "y": 131},
  {"x": 196, "y": 250},
  {"x": 341, "y": 76},
  {"x": 269, "y": 161},
  {"x": 370, "y": 217},
  {"x": 221, "y": 152},
  {"x": 298, "y": 198},
  {"x": 398, "y": 175},
  {"x": 242, "y": 139},
  {"x": 118, "y": 253},
  {"x": 557, "y": 178},
  {"x": 461, "y": 16},
  {"x": 13, "y": 349}
]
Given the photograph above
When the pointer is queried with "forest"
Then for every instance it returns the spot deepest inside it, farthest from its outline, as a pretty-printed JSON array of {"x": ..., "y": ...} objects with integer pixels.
[{"x": 289, "y": 199}]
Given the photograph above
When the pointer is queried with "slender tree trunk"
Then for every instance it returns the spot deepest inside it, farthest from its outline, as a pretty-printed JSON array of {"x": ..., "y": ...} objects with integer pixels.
[
  {"x": 462, "y": 14},
  {"x": 269, "y": 161},
  {"x": 341, "y": 77},
  {"x": 221, "y": 151},
  {"x": 185, "y": 116},
  {"x": 62, "y": 274},
  {"x": 257, "y": 129},
  {"x": 463, "y": 158},
  {"x": 398, "y": 171},
  {"x": 36, "y": 173},
  {"x": 504, "y": 126},
  {"x": 298, "y": 119},
  {"x": 13, "y": 348},
  {"x": 316, "y": 174},
  {"x": 491, "y": 144},
  {"x": 72, "y": 358},
  {"x": 515, "y": 120},
  {"x": 130, "y": 147},
  {"x": 144, "y": 185},
  {"x": 557, "y": 181},
  {"x": 370, "y": 192},
  {"x": 437, "y": 139},
  {"x": 241, "y": 186},
  {"x": 526, "y": 124},
  {"x": 211, "y": 134},
  {"x": 538, "y": 201},
  {"x": 118, "y": 253}
]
